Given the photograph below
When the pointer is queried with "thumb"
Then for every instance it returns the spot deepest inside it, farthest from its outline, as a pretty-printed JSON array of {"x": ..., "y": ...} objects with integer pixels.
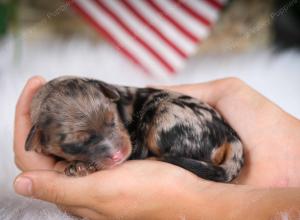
[{"x": 54, "y": 187}]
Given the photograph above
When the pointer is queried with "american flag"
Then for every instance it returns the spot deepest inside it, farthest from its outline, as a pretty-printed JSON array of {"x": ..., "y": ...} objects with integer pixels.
[{"x": 157, "y": 35}]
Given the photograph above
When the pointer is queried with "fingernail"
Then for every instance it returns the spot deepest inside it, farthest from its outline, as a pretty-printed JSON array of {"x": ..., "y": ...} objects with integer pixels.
[{"x": 23, "y": 186}]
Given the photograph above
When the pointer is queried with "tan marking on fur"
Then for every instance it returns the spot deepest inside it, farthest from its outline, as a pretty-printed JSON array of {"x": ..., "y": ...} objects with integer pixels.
[
  {"x": 152, "y": 143},
  {"x": 229, "y": 152},
  {"x": 218, "y": 154},
  {"x": 80, "y": 136},
  {"x": 124, "y": 142}
]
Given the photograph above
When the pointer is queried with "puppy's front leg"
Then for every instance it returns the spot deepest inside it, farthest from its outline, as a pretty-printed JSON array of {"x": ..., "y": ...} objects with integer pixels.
[{"x": 78, "y": 168}]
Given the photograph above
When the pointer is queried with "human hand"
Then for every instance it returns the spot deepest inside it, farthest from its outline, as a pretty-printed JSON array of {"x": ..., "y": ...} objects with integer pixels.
[
  {"x": 135, "y": 190},
  {"x": 129, "y": 191},
  {"x": 270, "y": 135},
  {"x": 156, "y": 190},
  {"x": 108, "y": 194}
]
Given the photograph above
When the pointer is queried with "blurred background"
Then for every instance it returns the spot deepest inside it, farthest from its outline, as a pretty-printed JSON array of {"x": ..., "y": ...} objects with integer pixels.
[{"x": 257, "y": 41}]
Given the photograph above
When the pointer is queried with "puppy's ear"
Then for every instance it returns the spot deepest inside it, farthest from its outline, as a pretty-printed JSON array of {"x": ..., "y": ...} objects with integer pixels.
[
  {"x": 109, "y": 91},
  {"x": 33, "y": 141}
]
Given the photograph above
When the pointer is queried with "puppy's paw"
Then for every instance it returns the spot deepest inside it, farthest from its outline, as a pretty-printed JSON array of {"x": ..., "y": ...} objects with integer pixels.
[{"x": 78, "y": 168}]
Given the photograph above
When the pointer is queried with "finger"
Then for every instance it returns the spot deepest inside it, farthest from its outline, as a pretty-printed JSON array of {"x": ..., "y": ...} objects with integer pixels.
[
  {"x": 32, "y": 85},
  {"x": 54, "y": 187},
  {"x": 27, "y": 160},
  {"x": 82, "y": 212}
]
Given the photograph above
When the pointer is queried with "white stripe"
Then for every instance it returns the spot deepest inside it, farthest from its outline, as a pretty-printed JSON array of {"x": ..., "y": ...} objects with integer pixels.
[
  {"x": 144, "y": 57},
  {"x": 186, "y": 20},
  {"x": 203, "y": 8},
  {"x": 166, "y": 53},
  {"x": 164, "y": 26}
]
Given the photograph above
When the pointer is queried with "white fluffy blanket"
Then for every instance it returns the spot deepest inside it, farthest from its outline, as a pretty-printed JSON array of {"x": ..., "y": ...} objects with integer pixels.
[{"x": 276, "y": 76}]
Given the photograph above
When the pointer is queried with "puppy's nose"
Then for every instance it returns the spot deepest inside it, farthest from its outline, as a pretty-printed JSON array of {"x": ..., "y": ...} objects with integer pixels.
[{"x": 117, "y": 156}]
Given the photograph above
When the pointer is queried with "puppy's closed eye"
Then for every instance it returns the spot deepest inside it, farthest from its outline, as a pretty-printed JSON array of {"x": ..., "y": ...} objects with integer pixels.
[
  {"x": 74, "y": 148},
  {"x": 94, "y": 139},
  {"x": 82, "y": 146}
]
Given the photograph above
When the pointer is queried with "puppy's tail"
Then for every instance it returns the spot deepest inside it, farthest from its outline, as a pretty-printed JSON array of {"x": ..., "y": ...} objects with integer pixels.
[{"x": 227, "y": 161}]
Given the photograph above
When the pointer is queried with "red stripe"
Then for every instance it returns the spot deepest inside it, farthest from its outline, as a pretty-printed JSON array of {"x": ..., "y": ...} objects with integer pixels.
[
  {"x": 153, "y": 28},
  {"x": 191, "y": 12},
  {"x": 182, "y": 29},
  {"x": 214, "y": 3},
  {"x": 108, "y": 36},
  {"x": 133, "y": 34}
]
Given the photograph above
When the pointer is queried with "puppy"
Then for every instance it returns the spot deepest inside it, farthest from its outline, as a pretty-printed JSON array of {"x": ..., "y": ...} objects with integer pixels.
[{"x": 95, "y": 126}]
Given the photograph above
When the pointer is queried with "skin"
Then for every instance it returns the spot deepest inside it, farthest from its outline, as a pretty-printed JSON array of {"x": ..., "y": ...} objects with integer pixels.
[{"x": 155, "y": 190}]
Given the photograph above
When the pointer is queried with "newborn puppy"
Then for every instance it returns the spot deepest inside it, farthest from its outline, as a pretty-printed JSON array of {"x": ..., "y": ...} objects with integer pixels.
[{"x": 95, "y": 125}]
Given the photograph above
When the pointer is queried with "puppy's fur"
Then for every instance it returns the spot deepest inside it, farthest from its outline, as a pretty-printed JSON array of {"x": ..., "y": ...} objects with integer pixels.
[{"x": 96, "y": 126}]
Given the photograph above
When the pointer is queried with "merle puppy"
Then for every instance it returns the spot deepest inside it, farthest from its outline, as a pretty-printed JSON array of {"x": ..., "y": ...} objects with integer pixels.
[{"x": 95, "y": 125}]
